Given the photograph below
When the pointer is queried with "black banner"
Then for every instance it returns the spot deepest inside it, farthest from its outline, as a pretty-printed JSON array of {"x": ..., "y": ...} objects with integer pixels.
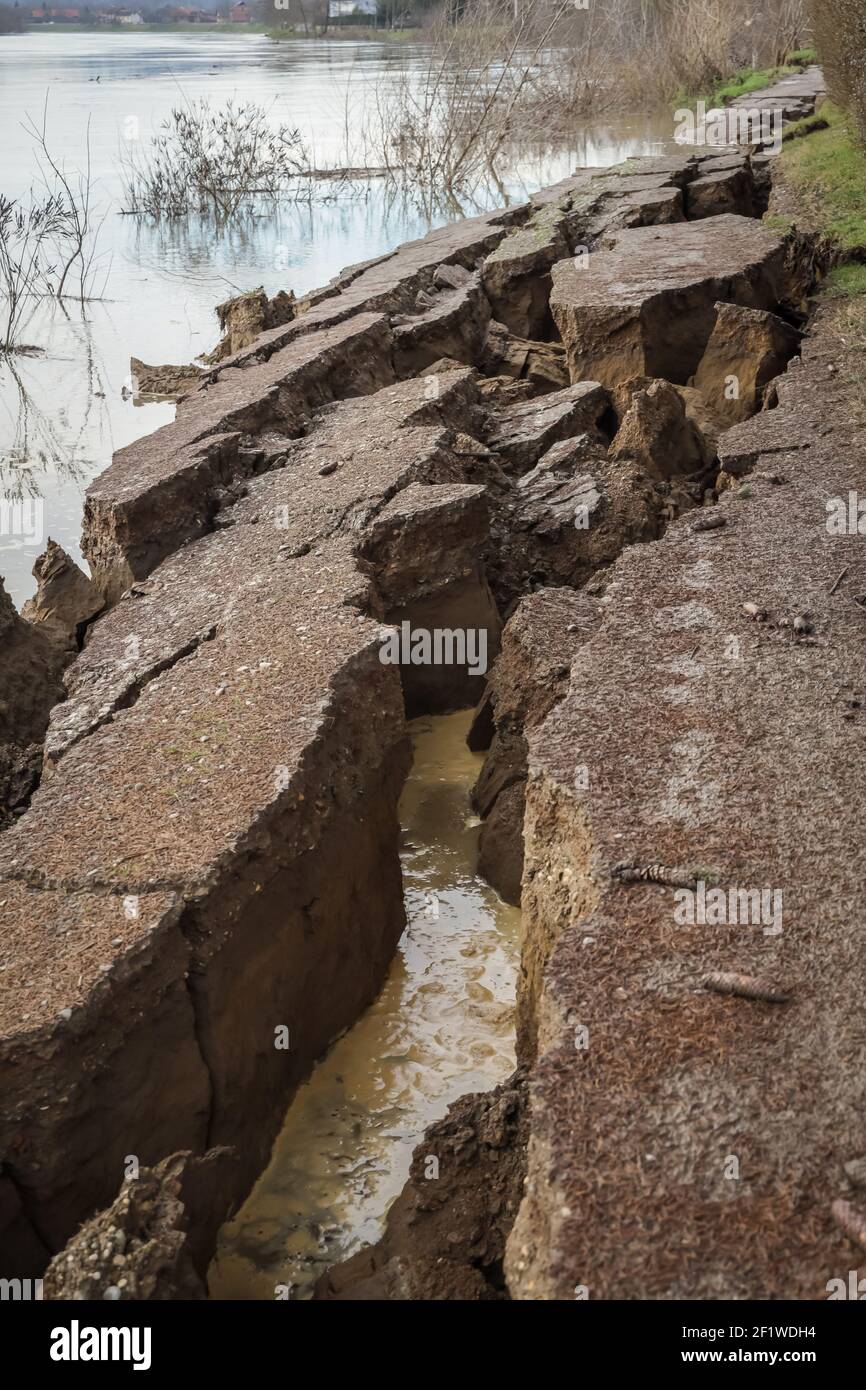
[{"x": 255, "y": 1339}]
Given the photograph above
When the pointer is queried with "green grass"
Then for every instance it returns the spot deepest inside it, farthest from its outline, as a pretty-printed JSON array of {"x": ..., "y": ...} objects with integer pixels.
[
  {"x": 845, "y": 282},
  {"x": 806, "y": 125},
  {"x": 828, "y": 168},
  {"x": 745, "y": 81},
  {"x": 739, "y": 84},
  {"x": 802, "y": 57},
  {"x": 778, "y": 222}
]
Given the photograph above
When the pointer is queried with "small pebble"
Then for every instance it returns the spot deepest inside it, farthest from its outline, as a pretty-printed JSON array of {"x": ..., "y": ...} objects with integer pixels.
[{"x": 754, "y": 610}]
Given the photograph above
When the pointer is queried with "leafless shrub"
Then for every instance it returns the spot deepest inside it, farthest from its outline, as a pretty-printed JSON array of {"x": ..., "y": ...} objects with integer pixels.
[
  {"x": 29, "y": 234},
  {"x": 839, "y": 27},
  {"x": 214, "y": 161},
  {"x": 76, "y": 249},
  {"x": 47, "y": 243},
  {"x": 506, "y": 70},
  {"x": 444, "y": 127},
  {"x": 671, "y": 47}
]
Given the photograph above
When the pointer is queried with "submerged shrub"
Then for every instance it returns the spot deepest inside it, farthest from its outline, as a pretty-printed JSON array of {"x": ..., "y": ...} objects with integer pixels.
[{"x": 214, "y": 161}]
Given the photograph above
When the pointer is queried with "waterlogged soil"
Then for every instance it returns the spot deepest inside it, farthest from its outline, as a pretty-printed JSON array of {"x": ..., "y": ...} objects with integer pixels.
[{"x": 442, "y": 1026}]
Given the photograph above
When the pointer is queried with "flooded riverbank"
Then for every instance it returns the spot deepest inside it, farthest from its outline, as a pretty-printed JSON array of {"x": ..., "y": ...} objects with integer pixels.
[
  {"x": 64, "y": 412},
  {"x": 442, "y": 1026}
]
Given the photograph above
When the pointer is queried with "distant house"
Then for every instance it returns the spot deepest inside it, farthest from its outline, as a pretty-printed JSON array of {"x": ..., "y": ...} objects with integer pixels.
[
  {"x": 241, "y": 14},
  {"x": 134, "y": 18}
]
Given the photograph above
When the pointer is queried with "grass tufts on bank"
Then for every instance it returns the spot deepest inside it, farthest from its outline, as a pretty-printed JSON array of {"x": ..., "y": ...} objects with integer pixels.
[{"x": 827, "y": 169}]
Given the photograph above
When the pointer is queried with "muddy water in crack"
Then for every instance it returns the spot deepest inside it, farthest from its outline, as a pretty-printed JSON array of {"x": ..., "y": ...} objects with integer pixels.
[{"x": 442, "y": 1026}]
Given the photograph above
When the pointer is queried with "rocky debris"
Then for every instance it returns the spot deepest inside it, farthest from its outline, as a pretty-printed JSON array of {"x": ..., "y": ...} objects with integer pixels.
[
  {"x": 746, "y": 350},
  {"x": 571, "y": 515},
  {"x": 154, "y": 1241},
  {"x": 520, "y": 1281},
  {"x": 653, "y": 206},
  {"x": 765, "y": 436},
  {"x": 727, "y": 187},
  {"x": 502, "y": 392},
  {"x": 390, "y": 284},
  {"x": 793, "y": 96},
  {"x": 65, "y": 600},
  {"x": 245, "y": 317},
  {"x": 542, "y": 365},
  {"x": 451, "y": 322},
  {"x": 163, "y": 490},
  {"x": 445, "y": 1234},
  {"x": 30, "y": 684},
  {"x": 539, "y": 644},
  {"x": 163, "y": 383},
  {"x": 521, "y": 433},
  {"x": 649, "y": 171},
  {"x": 516, "y": 275},
  {"x": 374, "y": 445},
  {"x": 645, "y": 304},
  {"x": 425, "y": 547},
  {"x": 648, "y": 206},
  {"x": 731, "y": 755},
  {"x": 705, "y": 420},
  {"x": 658, "y": 433},
  {"x": 567, "y": 220},
  {"x": 94, "y": 995}
]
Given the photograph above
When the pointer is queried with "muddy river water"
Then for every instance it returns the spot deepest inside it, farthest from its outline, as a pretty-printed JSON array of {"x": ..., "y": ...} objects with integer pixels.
[{"x": 442, "y": 1026}]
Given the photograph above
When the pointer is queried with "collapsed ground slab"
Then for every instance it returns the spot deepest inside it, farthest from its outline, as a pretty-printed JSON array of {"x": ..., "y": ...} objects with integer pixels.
[
  {"x": 188, "y": 842},
  {"x": 530, "y": 676},
  {"x": 733, "y": 760},
  {"x": 230, "y": 737},
  {"x": 163, "y": 490},
  {"x": 645, "y": 305}
]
